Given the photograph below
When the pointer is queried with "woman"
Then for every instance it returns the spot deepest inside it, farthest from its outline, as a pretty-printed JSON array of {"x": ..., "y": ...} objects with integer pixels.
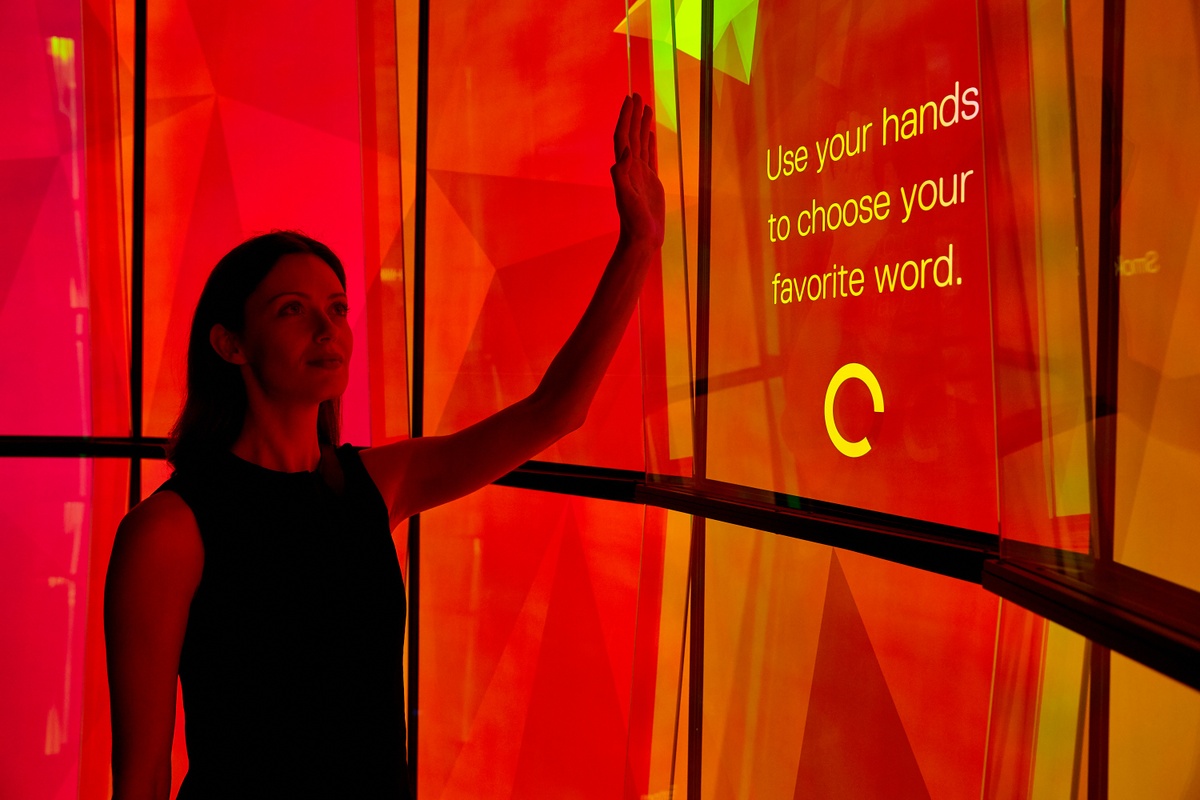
[{"x": 262, "y": 573}]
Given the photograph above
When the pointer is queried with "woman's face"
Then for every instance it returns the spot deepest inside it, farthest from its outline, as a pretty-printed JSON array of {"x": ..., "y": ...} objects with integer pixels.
[{"x": 297, "y": 342}]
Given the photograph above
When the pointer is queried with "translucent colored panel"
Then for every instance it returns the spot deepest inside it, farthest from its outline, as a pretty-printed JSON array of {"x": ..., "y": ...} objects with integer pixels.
[
  {"x": 380, "y": 69},
  {"x": 851, "y": 345},
  {"x": 1154, "y": 735},
  {"x": 662, "y": 68},
  {"x": 58, "y": 520},
  {"x": 407, "y": 46},
  {"x": 247, "y": 131},
  {"x": 1037, "y": 730},
  {"x": 658, "y": 735},
  {"x": 1038, "y": 744},
  {"x": 521, "y": 218},
  {"x": 1158, "y": 433},
  {"x": 529, "y": 636},
  {"x": 1038, "y": 314},
  {"x": 64, "y": 364},
  {"x": 832, "y": 674}
]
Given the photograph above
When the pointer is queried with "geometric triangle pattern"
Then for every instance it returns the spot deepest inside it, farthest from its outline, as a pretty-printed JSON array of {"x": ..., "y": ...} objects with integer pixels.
[
  {"x": 932, "y": 637},
  {"x": 25, "y": 181},
  {"x": 734, "y": 24},
  {"x": 247, "y": 131},
  {"x": 527, "y": 693},
  {"x": 567, "y": 213},
  {"x": 574, "y": 673},
  {"x": 829, "y": 673},
  {"x": 854, "y": 742},
  {"x": 520, "y": 226}
]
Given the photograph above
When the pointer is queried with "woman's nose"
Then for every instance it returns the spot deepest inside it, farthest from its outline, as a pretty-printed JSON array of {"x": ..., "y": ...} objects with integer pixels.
[{"x": 323, "y": 325}]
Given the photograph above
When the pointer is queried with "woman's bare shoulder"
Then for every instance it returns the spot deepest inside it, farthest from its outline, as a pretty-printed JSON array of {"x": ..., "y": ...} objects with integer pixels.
[{"x": 161, "y": 526}]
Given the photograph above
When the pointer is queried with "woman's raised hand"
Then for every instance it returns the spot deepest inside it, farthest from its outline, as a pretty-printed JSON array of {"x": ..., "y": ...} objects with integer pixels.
[
  {"x": 640, "y": 200},
  {"x": 416, "y": 474}
]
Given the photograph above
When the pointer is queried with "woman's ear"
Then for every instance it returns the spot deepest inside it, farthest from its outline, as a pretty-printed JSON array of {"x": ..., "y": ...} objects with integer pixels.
[{"x": 226, "y": 344}]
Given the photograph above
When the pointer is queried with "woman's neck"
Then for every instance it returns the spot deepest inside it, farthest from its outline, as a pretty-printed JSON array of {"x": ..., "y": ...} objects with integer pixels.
[{"x": 285, "y": 439}]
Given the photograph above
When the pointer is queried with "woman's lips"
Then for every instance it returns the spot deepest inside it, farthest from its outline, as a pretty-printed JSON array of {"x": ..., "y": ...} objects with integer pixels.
[{"x": 332, "y": 362}]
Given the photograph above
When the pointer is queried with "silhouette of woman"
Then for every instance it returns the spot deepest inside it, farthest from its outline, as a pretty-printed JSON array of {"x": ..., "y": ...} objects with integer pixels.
[{"x": 262, "y": 574}]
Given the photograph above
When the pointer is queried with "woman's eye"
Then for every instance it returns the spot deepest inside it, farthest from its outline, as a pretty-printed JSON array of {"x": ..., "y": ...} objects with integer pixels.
[
  {"x": 293, "y": 307},
  {"x": 341, "y": 309}
]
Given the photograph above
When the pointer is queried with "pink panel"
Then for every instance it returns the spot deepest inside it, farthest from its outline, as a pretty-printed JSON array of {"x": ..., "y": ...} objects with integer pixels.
[
  {"x": 52, "y": 509},
  {"x": 44, "y": 300}
]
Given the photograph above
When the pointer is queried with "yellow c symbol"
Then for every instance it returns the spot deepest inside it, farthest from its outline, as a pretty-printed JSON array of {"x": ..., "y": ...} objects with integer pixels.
[{"x": 862, "y": 446}]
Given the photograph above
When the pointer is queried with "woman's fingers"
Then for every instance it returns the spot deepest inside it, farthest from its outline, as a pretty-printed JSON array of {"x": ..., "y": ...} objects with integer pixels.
[
  {"x": 635, "y": 126},
  {"x": 653, "y": 151},
  {"x": 635, "y": 131},
  {"x": 647, "y": 129},
  {"x": 621, "y": 134}
]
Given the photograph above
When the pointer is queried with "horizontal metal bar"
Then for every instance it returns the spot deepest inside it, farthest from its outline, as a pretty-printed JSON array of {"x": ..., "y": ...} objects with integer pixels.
[
  {"x": 152, "y": 447},
  {"x": 956, "y": 552},
  {"x": 940, "y": 549},
  {"x": 595, "y": 482},
  {"x": 1150, "y": 620}
]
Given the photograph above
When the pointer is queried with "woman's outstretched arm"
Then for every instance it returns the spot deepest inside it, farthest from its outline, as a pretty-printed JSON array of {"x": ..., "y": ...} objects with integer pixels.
[{"x": 416, "y": 474}]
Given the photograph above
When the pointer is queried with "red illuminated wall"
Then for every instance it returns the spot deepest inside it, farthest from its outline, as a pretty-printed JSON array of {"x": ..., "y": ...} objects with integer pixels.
[{"x": 555, "y": 648}]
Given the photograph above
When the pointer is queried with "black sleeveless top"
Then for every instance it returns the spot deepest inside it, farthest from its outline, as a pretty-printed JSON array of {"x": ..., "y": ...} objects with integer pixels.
[{"x": 291, "y": 663}]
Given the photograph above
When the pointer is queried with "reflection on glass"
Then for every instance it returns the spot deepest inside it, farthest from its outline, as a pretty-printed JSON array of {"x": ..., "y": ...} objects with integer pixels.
[{"x": 1158, "y": 370}]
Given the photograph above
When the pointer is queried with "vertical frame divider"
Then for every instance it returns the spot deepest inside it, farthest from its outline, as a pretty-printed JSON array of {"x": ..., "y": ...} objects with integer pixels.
[
  {"x": 417, "y": 426},
  {"x": 1108, "y": 308},
  {"x": 700, "y": 420},
  {"x": 137, "y": 249}
]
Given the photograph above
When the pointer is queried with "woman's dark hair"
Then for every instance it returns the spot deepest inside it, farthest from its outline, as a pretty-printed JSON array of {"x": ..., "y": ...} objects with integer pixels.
[{"x": 214, "y": 407}]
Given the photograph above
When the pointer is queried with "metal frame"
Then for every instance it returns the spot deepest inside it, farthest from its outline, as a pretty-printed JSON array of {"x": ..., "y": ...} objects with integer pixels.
[{"x": 417, "y": 422}]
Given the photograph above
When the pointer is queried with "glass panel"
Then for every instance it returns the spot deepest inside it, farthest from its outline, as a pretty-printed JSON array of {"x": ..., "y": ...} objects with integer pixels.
[
  {"x": 832, "y": 674},
  {"x": 658, "y": 720},
  {"x": 851, "y": 344},
  {"x": 665, "y": 67},
  {"x": 529, "y": 609},
  {"x": 247, "y": 131},
  {"x": 1158, "y": 372},
  {"x": 1154, "y": 735},
  {"x": 380, "y": 70},
  {"x": 521, "y": 218},
  {"x": 1037, "y": 730},
  {"x": 407, "y": 49},
  {"x": 61, "y": 292},
  {"x": 58, "y": 525},
  {"x": 1039, "y": 318}
]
